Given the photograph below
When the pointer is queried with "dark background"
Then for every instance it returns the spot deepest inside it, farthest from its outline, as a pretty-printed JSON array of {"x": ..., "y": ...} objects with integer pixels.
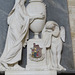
[{"x": 57, "y": 11}]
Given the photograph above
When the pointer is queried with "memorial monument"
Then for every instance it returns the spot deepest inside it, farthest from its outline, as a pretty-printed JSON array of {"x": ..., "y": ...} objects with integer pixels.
[{"x": 43, "y": 53}]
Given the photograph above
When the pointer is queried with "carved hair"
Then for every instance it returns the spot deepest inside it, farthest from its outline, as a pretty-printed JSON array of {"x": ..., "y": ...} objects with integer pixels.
[{"x": 51, "y": 24}]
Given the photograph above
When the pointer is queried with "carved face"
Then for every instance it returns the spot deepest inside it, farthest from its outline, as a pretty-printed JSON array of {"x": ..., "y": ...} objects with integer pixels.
[{"x": 51, "y": 24}]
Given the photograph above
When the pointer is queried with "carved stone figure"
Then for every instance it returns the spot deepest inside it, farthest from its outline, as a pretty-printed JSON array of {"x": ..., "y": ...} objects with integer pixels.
[
  {"x": 53, "y": 38},
  {"x": 43, "y": 54},
  {"x": 18, "y": 21}
]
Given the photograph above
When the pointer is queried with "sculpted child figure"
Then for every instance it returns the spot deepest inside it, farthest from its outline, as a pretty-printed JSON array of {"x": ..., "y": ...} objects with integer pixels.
[
  {"x": 18, "y": 21},
  {"x": 53, "y": 41}
]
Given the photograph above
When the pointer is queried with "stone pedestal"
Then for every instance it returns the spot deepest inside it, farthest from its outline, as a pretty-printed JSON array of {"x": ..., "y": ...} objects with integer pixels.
[
  {"x": 30, "y": 73},
  {"x": 34, "y": 63}
]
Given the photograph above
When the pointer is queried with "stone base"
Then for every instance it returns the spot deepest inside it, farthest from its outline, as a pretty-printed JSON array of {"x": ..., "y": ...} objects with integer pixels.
[
  {"x": 36, "y": 63},
  {"x": 31, "y": 73}
]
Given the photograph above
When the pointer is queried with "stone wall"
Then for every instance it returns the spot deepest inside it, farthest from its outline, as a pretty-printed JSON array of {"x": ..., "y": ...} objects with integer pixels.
[{"x": 71, "y": 6}]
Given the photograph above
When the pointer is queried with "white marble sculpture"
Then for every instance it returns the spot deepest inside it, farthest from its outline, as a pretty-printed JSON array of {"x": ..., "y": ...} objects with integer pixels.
[
  {"x": 53, "y": 38},
  {"x": 18, "y": 21},
  {"x": 36, "y": 58},
  {"x": 43, "y": 54},
  {"x": 35, "y": 7}
]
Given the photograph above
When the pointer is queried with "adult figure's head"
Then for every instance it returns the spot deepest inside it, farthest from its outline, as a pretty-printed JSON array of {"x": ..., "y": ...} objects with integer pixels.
[
  {"x": 21, "y": 2},
  {"x": 17, "y": 2}
]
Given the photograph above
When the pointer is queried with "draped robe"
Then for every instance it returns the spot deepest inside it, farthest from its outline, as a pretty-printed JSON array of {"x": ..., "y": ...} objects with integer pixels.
[{"x": 17, "y": 31}]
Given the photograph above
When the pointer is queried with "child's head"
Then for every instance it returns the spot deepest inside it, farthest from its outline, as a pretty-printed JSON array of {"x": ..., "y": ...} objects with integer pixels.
[{"x": 51, "y": 24}]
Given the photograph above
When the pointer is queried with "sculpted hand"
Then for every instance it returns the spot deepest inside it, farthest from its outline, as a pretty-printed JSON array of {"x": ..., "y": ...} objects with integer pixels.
[{"x": 40, "y": 16}]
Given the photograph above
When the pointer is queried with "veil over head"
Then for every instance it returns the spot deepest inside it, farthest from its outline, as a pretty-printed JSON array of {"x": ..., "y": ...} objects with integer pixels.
[{"x": 16, "y": 2}]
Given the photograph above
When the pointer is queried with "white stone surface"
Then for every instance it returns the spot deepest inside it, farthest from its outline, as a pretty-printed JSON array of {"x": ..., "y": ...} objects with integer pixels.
[
  {"x": 53, "y": 38},
  {"x": 19, "y": 20},
  {"x": 36, "y": 7},
  {"x": 36, "y": 65},
  {"x": 30, "y": 73},
  {"x": 17, "y": 36}
]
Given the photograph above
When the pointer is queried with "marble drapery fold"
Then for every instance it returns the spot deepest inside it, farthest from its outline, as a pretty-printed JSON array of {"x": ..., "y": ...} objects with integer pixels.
[{"x": 18, "y": 28}]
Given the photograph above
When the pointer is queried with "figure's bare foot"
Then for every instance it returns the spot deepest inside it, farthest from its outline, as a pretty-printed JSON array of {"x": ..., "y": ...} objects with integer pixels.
[
  {"x": 61, "y": 68},
  {"x": 39, "y": 16},
  {"x": 52, "y": 68}
]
